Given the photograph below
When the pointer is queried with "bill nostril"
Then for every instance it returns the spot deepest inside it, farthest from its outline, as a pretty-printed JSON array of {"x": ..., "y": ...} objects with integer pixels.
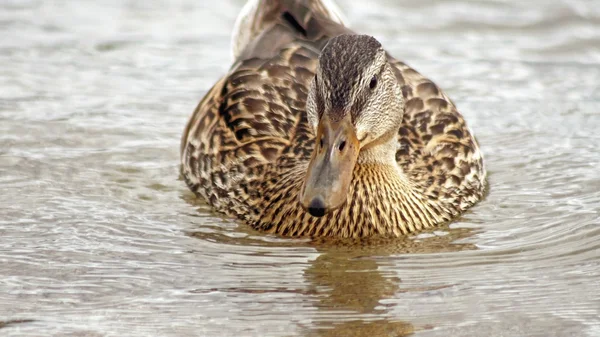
[{"x": 316, "y": 207}]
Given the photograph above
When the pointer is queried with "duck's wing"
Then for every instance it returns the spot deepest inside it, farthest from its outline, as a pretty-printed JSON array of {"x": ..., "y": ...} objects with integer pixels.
[{"x": 437, "y": 149}]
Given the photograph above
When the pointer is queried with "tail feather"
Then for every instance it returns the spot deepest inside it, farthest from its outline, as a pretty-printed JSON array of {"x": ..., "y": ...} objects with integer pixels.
[{"x": 258, "y": 16}]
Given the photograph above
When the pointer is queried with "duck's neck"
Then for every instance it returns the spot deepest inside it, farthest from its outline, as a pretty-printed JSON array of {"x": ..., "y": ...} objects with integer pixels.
[
  {"x": 382, "y": 183},
  {"x": 383, "y": 152}
]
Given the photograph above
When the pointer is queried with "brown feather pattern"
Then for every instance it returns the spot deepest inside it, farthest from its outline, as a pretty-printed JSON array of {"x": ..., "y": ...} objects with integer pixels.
[{"x": 246, "y": 149}]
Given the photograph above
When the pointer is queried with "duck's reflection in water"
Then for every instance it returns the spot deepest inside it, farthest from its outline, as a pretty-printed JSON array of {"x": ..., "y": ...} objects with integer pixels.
[{"x": 347, "y": 282}]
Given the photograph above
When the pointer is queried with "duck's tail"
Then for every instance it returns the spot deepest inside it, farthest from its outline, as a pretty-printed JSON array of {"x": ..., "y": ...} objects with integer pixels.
[{"x": 258, "y": 16}]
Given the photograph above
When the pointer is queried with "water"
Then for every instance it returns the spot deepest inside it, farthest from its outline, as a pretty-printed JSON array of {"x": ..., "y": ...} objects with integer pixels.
[{"x": 100, "y": 238}]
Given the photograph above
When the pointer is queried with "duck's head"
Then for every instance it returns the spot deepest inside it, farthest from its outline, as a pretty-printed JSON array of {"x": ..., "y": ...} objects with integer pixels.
[{"x": 354, "y": 104}]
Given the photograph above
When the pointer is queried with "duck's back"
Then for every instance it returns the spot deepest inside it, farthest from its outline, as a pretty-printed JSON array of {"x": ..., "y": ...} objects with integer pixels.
[{"x": 247, "y": 145}]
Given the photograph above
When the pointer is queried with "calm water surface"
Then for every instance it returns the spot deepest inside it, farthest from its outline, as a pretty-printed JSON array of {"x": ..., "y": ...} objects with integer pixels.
[{"x": 100, "y": 238}]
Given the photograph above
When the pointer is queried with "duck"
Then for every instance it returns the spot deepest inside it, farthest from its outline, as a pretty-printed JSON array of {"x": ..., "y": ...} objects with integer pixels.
[{"x": 317, "y": 131}]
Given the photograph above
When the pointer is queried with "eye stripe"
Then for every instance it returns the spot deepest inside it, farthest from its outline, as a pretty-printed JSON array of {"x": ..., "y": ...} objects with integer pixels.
[{"x": 318, "y": 99}]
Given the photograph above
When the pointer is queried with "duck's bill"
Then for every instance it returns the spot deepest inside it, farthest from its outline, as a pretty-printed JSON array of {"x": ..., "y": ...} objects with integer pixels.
[{"x": 329, "y": 174}]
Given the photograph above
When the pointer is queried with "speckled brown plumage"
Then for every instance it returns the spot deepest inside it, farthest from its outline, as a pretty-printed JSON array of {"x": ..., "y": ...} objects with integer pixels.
[{"x": 247, "y": 146}]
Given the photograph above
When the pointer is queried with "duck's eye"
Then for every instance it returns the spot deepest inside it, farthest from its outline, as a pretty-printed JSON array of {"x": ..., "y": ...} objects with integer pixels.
[
  {"x": 342, "y": 146},
  {"x": 373, "y": 82}
]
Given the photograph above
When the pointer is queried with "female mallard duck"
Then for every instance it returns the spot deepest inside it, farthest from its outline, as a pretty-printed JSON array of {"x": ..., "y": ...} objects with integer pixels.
[{"x": 317, "y": 131}]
